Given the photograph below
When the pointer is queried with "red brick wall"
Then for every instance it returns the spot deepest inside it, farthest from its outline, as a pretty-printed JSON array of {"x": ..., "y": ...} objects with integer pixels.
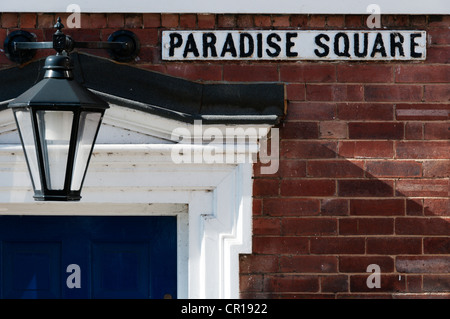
[{"x": 365, "y": 156}]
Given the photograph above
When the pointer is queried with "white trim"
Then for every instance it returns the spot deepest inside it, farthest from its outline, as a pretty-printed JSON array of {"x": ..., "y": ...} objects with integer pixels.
[{"x": 234, "y": 6}]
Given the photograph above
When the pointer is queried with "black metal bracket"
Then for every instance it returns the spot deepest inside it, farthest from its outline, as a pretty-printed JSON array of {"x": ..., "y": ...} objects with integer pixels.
[{"x": 20, "y": 46}]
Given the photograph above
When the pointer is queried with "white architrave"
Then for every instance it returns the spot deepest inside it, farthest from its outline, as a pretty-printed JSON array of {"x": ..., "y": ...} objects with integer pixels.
[{"x": 142, "y": 179}]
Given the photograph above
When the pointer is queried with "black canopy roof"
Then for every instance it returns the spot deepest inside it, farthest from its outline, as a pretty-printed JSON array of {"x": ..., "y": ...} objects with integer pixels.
[{"x": 160, "y": 94}]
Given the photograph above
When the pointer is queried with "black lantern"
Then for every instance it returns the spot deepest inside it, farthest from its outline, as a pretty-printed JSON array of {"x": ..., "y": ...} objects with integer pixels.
[
  {"x": 58, "y": 119},
  {"x": 58, "y": 122}
]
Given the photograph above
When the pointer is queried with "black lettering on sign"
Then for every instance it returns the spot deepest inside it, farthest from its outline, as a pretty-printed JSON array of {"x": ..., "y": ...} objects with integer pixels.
[
  {"x": 413, "y": 45},
  {"x": 229, "y": 47},
  {"x": 176, "y": 40},
  {"x": 358, "y": 53},
  {"x": 259, "y": 42},
  {"x": 378, "y": 46},
  {"x": 209, "y": 43},
  {"x": 250, "y": 45},
  {"x": 326, "y": 49},
  {"x": 395, "y": 44},
  {"x": 191, "y": 46},
  {"x": 290, "y": 44},
  {"x": 273, "y": 45},
  {"x": 337, "y": 47}
]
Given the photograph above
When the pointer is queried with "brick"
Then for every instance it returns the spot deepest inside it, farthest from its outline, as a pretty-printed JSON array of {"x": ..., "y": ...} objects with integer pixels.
[
  {"x": 97, "y": 21},
  {"x": 280, "y": 245},
  {"x": 355, "y": 264},
  {"x": 337, "y": 245},
  {"x": 308, "y": 226},
  {"x": 439, "y": 36},
  {"x": 334, "y": 207},
  {"x": 438, "y": 54},
  {"x": 437, "y": 131},
  {"x": 425, "y": 149},
  {"x": 299, "y": 20},
  {"x": 9, "y": 20},
  {"x": 290, "y": 207},
  {"x": 295, "y": 92},
  {"x": 292, "y": 168},
  {"x": 414, "y": 207},
  {"x": 395, "y": 20},
  {"x": 188, "y": 21},
  {"x": 115, "y": 20},
  {"x": 394, "y": 245},
  {"x": 196, "y": 72},
  {"x": 333, "y": 129},
  {"x": 28, "y": 20},
  {"x": 335, "y": 21},
  {"x": 253, "y": 264},
  {"x": 302, "y": 149},
  {"x": 262, "y": 21},
  {"x": 265, "y": 187},
  {"x": 281, "y": 21},
  {"x": 133, "y": 20},
  {"x": 375, "y": 130},
  {"x": 334, "y": 283},
  {"x": 437, "y": 92},
  {"x": 244, "y": 72},
  {"x": 206, "y": 21},
  {"x": 355, "y": 21},
  {"x": 308, "y": 264},
  {"x": 291, "y": 283},
  {"x": 317, "y": 111},
  {"x": 257, "y": 207},
  {"x": 266, "y": 226},
  {"x": 365, "y": 111},
  {"x": 422, "y": 73},
  {"x": 45, "y": 20},
  {"x": 170, "y": 20},
  {"x": 363, "y": 73},
  {"x": 436, "y": 207},
  {"x": 422, "y": 112},
  {"x": 307, "y": 73},
  {"x": 366, "y": 226},
  {"x": 422, "y": 226},
  {"x": 317, "y": 21},
  {"x": 307, "y": 187},
  {"x": 394, "y": 93},
  {"x": 422, "y": 264},
  {"x": 365, "y": 188},
  {"x": 414, "y": 131},
  {"x": 151, "y": 20},
  {"x": 366, "y": 149},
  {"x": 335, "y": 168},
  {"x": 377, "y": 207},
  {"x": 300, "y": 130},
  {"x": 436, "y": 245},
  {"x": 251, "y": 283},
  {"x": 226, "y": 21},
  {"x": 394, "y": 168},
  {"x": 388, "y": 283},
  {"x": 422, "y": 187},
  {"x": 436, "y": 283},
  {"x": 334, "y": 92},
  {"x": 414, "y": 283}
]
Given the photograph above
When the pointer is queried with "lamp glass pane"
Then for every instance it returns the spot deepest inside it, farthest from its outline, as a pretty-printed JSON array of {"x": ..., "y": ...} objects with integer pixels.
[
  {"x": 87, "y": 131},
  {"x": 55, "y": 128},
  {"x": 25, "y": 125}
]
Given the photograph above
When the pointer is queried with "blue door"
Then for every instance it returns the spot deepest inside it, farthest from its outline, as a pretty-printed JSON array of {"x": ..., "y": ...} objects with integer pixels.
[{"x": 88, "y": 257}]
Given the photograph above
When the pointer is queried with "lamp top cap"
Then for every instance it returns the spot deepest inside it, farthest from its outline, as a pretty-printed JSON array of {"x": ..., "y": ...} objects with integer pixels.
[{"x": 58, "y": 66}]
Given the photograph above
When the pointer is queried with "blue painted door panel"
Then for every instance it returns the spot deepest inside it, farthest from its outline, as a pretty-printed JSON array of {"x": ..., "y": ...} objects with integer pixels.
[{"x": 118, "y": 257}]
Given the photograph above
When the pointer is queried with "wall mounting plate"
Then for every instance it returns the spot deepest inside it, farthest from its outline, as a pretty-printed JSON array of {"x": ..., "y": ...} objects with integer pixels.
[
  {"x": 127, "y": 53},
  {"x": 14, "y": 54}
]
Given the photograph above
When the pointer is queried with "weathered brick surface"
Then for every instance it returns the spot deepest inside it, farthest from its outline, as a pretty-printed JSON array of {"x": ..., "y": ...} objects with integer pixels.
[{"x": 364, "y": 155}]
